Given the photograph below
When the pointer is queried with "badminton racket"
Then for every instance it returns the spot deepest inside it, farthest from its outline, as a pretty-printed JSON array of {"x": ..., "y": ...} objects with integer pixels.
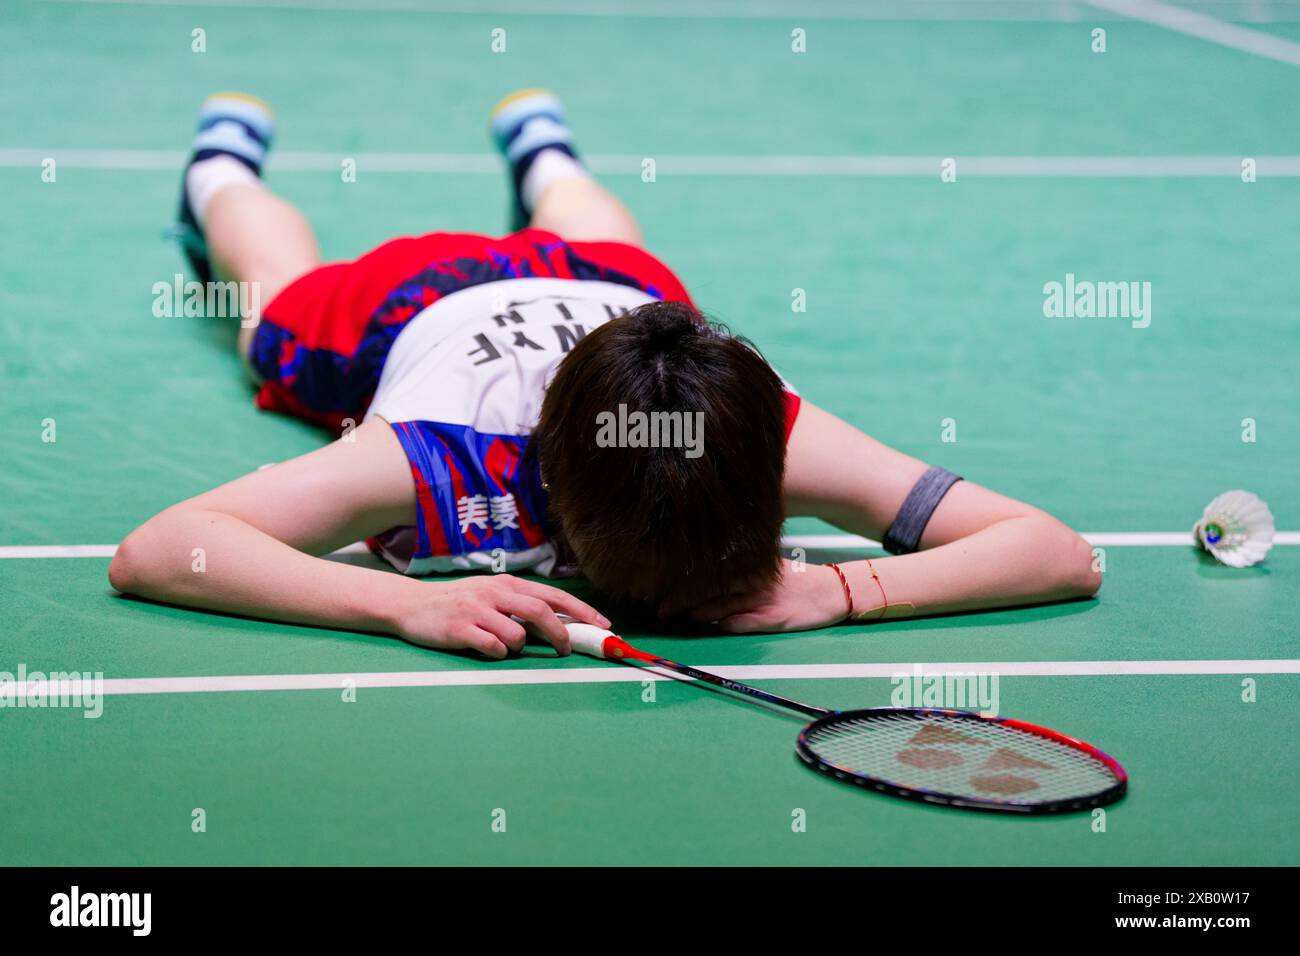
[{"x": 953, "y": 758}]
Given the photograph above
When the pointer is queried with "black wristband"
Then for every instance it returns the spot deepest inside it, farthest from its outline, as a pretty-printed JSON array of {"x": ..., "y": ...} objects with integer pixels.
[{"x": 904, "y": 535}]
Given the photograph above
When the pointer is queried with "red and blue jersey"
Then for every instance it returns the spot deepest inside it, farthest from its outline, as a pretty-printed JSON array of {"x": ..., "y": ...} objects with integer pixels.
[{"x": 452, "y": 338}]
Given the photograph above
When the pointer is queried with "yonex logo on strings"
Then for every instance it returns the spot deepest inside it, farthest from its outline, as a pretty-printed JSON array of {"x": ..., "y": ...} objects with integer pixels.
[
  {"x": 638, "y": 429},
  {"x": 1084, "y": 299}
]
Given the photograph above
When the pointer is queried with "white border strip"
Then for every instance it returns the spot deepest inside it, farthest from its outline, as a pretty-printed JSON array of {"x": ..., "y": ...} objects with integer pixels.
[
  {"x": 941, "y": 10},
  {"x": 59, "y": 551},
  {"x": 1205, "y": 28},
  {"x": 488, "y": 677},
  {"x": 1113, "y": 539},
  {"x": 924, "y": 167}
]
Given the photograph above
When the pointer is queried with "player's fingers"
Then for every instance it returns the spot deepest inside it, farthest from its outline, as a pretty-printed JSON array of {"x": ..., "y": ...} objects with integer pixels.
[
  {"x": 486, "y": 643},
  {"x": 508, "y": 632},
  {"x": 538, "y": 615},
  {"x": 564, "y": 601}
]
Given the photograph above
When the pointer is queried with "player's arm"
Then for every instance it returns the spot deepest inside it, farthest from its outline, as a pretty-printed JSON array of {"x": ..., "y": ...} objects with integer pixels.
[
  {"x": 978, "y": 550},
  {"x": 249, "y": 546}
]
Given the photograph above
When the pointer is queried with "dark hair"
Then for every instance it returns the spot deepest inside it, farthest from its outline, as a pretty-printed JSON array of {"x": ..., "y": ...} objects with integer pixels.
[{"x": 653, "y": 522}]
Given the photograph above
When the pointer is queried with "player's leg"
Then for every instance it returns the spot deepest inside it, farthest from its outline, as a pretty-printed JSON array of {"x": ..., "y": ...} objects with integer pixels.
[
  {"x": 552, "y": 189},
  {"x": 581, "y": 210},
  {"x": 231, "y": 225},
  {"x": 256, "y": 236}
]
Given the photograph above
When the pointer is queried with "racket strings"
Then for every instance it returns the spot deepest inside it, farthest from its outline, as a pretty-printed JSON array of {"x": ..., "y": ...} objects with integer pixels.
[{"x": 959, "y": 756}]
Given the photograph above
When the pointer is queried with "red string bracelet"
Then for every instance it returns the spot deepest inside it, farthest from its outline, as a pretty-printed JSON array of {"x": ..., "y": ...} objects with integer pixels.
[
  {"x": 884, "y": 597},
  {"x": 844, "y": 583}
]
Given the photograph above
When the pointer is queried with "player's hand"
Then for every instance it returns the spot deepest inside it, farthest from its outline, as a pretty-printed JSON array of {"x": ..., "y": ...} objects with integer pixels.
[
  {"x": 480, "y": 614},
  {"x": 804, "y": 597}
]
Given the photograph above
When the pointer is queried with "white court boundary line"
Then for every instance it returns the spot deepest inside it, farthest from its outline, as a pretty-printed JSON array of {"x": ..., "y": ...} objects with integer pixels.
[
  {"x": 882, "y": 166},
  {"x": 1110, "y": 539},
  {"x": 1205, "y": 27},
  {"x": 11, "y": 690}
]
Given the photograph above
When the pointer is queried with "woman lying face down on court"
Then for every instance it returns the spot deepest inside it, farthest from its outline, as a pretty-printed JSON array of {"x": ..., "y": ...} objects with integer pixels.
[{"x": 549, "y": 402}]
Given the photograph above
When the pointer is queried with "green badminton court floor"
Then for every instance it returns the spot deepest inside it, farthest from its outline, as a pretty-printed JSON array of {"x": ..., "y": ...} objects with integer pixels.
[{"x": 924, "y": 304}]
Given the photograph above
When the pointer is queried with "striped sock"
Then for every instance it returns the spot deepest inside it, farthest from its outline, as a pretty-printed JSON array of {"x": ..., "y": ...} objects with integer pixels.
[
  {"x": 234, "y": 124},
  {"x": 230, "y": 146},
  {"x": 530, "y": 130}
]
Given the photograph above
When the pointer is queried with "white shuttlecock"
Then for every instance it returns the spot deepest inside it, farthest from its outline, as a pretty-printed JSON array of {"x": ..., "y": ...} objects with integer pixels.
[{"x": 1237, "y": 528}]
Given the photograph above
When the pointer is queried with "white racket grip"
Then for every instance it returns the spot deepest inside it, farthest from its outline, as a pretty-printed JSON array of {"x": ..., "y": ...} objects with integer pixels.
[{"x": 588, "y": 638}]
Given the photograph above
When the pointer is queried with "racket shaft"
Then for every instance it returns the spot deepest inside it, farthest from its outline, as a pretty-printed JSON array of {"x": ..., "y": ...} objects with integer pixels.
[
  {"x": 606, "y": 645},
  {"x": 730, "y": 685}
]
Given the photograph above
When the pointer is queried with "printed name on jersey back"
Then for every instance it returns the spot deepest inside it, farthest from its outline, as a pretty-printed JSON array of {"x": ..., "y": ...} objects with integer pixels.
[{"x": 532, "y": 324}]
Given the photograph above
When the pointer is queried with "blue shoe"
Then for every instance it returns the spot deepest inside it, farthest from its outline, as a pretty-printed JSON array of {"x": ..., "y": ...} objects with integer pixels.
[
  {"x": 523, "y": 124},
  {"x": 230, "y": 124}
]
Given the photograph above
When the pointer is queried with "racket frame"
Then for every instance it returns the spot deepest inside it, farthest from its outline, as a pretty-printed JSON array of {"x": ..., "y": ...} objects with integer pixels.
[{"x": 806, "y": 752}]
